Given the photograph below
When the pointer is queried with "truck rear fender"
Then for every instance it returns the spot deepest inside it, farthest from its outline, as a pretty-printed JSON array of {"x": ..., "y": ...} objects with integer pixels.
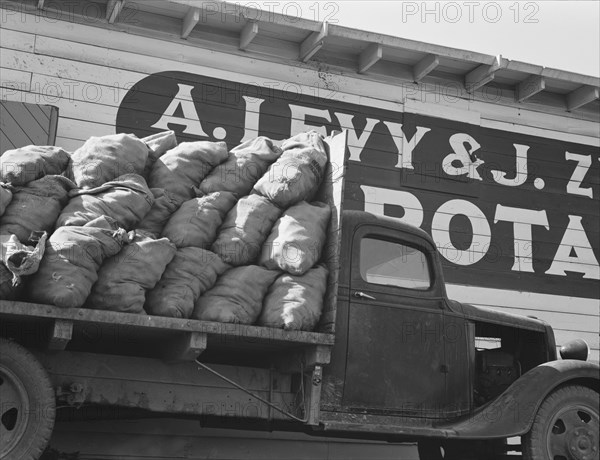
[{"x": 512, "y": 413}]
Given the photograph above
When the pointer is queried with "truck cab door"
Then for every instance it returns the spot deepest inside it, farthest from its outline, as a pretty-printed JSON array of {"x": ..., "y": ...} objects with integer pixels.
[{"x": 395, "y": 356}]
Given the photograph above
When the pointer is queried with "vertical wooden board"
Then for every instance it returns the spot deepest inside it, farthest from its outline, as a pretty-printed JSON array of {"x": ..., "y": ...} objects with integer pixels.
[
  {"x": 61, "y": 333},
  {"x": 54, "y": 115},
  {"x": 332, "y": 192}
]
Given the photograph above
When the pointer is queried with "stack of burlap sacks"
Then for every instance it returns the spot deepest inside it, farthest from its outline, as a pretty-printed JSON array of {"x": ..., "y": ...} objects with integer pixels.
[{"x": 187, "y": 230}]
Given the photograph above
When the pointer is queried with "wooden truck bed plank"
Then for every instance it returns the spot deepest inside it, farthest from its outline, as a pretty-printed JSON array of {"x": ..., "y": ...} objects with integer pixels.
[{"x": 225, "y": 332}]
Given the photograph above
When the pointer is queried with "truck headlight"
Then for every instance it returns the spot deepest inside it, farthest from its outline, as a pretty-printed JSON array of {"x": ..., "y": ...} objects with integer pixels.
[{"x": 575, "y": 349}]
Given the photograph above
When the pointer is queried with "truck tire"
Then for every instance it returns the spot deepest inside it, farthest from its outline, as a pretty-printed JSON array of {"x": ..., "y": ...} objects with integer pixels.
[
  {"x": 27, "y": 404},
  {"x": 565, "y": 426}
]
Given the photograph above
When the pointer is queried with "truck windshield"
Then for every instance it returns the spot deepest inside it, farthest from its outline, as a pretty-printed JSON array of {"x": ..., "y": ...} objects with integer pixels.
[{"x": 393, "y": 264}]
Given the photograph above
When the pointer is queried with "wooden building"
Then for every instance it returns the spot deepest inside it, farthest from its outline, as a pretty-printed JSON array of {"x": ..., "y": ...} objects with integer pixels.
[{"x": 497, "y": 159}]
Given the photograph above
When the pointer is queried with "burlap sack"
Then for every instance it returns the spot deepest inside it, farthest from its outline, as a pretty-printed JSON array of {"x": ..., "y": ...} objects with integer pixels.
[
  {"x": 127, "y": 199},
  {"x": 237, "y": 297},
  {"x": 102, "y": 159},
  {"x": 5, "y": 197},
  {"x": 72, "y": 260},
  {"x": 124, "y": 279},
  {"x": 158, "y": 144},
  {"x": 21, "y": 166},
  {"x": 298, "y": 173},
  {"x": 245, "y": 229},
  {"x": 297, "y": 239},
  {"x": 191, "y": 273},
  {"x": 295, "y": 302},
  {"x": 246, "y": 164},
  {"x": 20, "y": 259},
  {"x": 35, "y": 207},
  {"x": 182, "y": 168},
  {"x": 196, "y": 222},
  {"x": 160, "y": 212}
]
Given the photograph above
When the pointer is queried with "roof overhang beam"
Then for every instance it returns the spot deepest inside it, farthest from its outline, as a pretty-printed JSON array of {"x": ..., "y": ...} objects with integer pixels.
[
  {"x": 189, "y": 22},
  {"x": 484, "y": 74},
  {"x": 113, "y": 9},
  {"x": 530, "y": 87},
  {"x": 581, "y": 96},
  {"x": 249, "y": 33},
  {"x": 370, "y": 55},
  {"x": 313, "y": 43},
  {"x": 425, "y": 66}
]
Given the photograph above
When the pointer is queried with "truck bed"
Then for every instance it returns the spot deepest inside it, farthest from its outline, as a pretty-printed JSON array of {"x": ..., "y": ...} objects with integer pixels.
[
  {"x": 112, "y": 332},
  {"x": 100, "y": 331},
  {"x": 129, "y": 361}
]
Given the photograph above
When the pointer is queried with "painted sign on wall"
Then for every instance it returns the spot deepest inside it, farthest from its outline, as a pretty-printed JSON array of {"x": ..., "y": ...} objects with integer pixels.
[{"x": 507, "y": 210}]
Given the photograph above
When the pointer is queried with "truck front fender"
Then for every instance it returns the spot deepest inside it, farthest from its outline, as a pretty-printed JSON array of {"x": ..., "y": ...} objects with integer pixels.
[{"x": 512, "y": 413}]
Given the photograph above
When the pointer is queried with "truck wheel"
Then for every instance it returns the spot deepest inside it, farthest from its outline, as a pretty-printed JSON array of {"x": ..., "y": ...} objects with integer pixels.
[
  {"x": 27, "y": 404},
  {"x": 565, "y": 426}
]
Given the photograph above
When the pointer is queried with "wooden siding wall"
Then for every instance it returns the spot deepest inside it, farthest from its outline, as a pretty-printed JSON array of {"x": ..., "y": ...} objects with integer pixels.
[{"x": 86, "y": 71}]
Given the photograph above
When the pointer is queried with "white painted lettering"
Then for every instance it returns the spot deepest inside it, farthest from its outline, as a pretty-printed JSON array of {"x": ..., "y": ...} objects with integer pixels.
[
  {"x": 575, "y": 241},
  {"x": 298, "y": 121},
  {"x": 376, "y": 198},
  {"x": 467, "y": 159},
  {"x": 521, "y": 169},
  {"x": 440, "y": 231},
  {"x": 522, "y": 220},
  {"x": 190, "y": 118},
  {"x": 356, "y": 143},
  {"x": 405, "y": 146},
  {"x": 583, "y": 165},
  {"x": 252, "y": 117}
]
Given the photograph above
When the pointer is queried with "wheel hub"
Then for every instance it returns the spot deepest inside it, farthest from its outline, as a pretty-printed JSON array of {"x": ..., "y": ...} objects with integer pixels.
[
  {"x": 574, "y": 434},
  {"x": 14, "y": 410},
  {"x": 582, "y": 443}
]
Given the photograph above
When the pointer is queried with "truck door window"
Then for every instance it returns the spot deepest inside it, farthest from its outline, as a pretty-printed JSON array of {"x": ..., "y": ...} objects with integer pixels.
[{"x": 393, "y": 264}]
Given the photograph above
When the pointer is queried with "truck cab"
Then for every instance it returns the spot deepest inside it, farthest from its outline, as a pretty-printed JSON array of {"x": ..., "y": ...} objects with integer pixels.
[
  {"x": 393, "y": 304},
  {"x": 412, "y": 361}
]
